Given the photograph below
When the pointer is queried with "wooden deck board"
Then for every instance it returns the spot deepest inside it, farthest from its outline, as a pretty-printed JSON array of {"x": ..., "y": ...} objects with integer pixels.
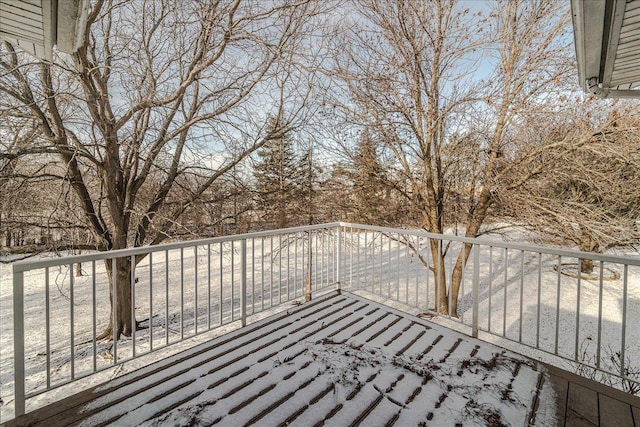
[
  {"x": 582, "y": 406},
  {"x": 344, "y": 360},
  {"x": 561, "y": 387},
  {"x": 635, "y": 410},
  {"x": 614, "y": 413}
]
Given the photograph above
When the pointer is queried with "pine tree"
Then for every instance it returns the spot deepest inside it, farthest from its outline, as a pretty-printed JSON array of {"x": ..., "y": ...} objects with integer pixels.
[
  {"x": 366, "y": 173},
  {"x": 277, "y": 176}
]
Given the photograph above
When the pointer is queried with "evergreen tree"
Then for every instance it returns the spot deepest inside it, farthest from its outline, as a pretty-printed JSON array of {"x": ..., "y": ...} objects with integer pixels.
[
  {"x": 308, "y": 182},
  {"x": 367, "y": 176},
  {"x": 378, "y": 191},
  {"x": 278, "y": 175}
]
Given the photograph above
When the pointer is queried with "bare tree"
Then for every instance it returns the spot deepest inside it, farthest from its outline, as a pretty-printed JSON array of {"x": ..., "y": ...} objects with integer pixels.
[
  {"x": 158, "y": 87},
  {"x": 35, "y": 211},
  {"x": 405, "y": 68},
  {"x": 586, "y": 193}
]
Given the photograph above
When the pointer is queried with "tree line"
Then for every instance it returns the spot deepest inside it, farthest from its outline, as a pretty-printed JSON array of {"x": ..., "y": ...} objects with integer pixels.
[{"x": 179, "y": 120}]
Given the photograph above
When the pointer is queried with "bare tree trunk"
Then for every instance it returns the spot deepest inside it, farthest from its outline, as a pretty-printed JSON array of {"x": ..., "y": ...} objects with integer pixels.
[
  {"x": 456, "y": 277},
  {"x": 587, "y": 244},
  {"x": 439, "y": 273},
  {"x": 121, "y": 321},
  {"x": 586, "y": 266}
]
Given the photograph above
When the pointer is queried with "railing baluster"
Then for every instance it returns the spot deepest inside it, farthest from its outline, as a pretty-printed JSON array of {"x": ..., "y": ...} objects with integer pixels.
[
  {"x": 307, "y": 266},
  {"x": 539, "y": 300},
  {"x": 398, "y": 267},
  {"x": 220, "y": 301},
  {"x": 439, "y": 284},
  {"x": 373, "y": 262},
  {"x": 166, "y": 297},
  {"x": 330, "y": 274},
  {"x": 577, "y": 338},
  {"x": 150, "y": 301},
  {"x": 209, "y": 286},
  {"x": 195, "y": 289},
  {"x": 490, "y": 288},
  {"x": 381, "y": 272},
  {"x": 18, "y": 343},
  {"x": 463, "y": 266},
  {"x": 327, "y": 252},
  {"x": 132, "y": 271},
  {"x": 380, "y": 261},
  {"x": 271, "y": 273},
  {"x": 304, "y": 265},
  {"x": 407, "y": 263},
  {"x": 358, "y": 262},
  {"x": 114, "y": 329},
  {"x": 450, "y": 292},
  {"x": 475, "y": 291},
  {"x": 418, "y": 267},
  {"x": 625, "y": 282},
  {"x": 72, "y": 356},
  {"x": 262, "y": 273},
  {"x": 366, "y": 262},
  {"x": 558, "y": 280},
  {"x": 288, "y": 240},
  {"x": 350, "y": 255},
  {"x": 243, "y": 282},
  {"x": 599, "y": 314},
  {"x": 253, "y": 276},
  {"x": 521, "y": 295},
  {"x": 338, "y": 266},
  {"x": 233, "y": 280},
  {"x": 280, "y": 268},
  {"x": 47, "y": 315},
  {"x": 504, "y": 308},
  {"x": 181, "y": 294},
  {"x": 389, "y": 265},
  {"x": 94, "y": 310}
]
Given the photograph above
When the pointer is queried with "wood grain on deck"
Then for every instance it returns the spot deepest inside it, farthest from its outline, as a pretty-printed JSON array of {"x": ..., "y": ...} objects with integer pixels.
[{"x": 280, "y": 371}]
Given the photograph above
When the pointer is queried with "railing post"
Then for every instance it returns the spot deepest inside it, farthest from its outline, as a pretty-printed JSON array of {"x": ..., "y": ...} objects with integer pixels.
[
  {"x": 243, "y": 283},
  {"x": 475, "y": 289},
  {"x": 338, "y": 257},
  {"x": 309, "y": 266},
  {"x": 18, "y": 342}
]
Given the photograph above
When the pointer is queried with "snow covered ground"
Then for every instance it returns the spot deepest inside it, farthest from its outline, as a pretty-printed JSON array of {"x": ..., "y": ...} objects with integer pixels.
[{"x": 522, "y": 298}]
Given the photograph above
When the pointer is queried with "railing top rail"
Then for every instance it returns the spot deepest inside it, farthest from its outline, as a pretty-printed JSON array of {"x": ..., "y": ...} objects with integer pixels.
[
  {"x": 34, "y": 264},
  {"x": 616, "y": 259}
]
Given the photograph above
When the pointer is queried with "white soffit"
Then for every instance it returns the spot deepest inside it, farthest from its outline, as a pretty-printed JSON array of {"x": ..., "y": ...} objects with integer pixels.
[
  {"x": 36, "y": 25},
  {"x": 607, "y": 40}
]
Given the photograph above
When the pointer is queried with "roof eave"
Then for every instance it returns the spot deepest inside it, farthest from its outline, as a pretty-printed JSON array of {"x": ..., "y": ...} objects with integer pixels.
[{"x": 35, "y": 26}]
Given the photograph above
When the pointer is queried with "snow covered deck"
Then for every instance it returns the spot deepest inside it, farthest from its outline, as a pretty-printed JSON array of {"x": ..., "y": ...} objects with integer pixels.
[{"x": 344, "y": 360}]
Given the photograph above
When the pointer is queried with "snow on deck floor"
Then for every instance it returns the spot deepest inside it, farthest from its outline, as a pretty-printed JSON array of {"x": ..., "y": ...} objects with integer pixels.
[{"x": 335, "y": 361}]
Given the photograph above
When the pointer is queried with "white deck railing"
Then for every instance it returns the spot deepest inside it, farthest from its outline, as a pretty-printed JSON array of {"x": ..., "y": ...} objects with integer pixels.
[
  {"x": 181, "y": 290},
  {"x": 512, "y": 291}
]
